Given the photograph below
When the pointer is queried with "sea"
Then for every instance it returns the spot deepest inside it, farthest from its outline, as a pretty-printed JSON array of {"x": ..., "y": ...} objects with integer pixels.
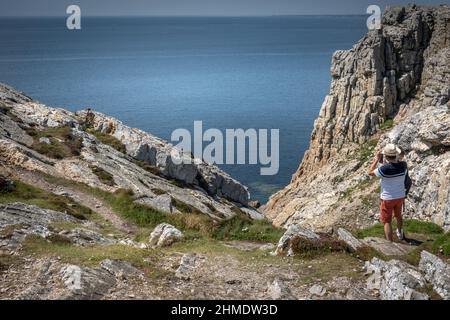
[{"x": 160, "y": 74}]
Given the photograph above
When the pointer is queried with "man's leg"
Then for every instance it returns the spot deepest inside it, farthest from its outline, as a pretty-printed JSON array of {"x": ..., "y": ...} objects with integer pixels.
[
  {"x": 386, "y": 218},
  {"x": 388, "y": 231},
  {"x": 399, "y": 222},
  {"x": 398, "y": 216}
]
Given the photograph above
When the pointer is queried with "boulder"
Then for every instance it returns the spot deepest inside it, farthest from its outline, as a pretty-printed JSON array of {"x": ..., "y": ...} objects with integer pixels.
[
  {"x": 162, "y": 202},
  {"x": 395, "y": 280},
  {"x": 84, "y": 283},
  {"x": 317, "y": 290},
  {"x": 44, "y": 140},
  {"x": 277, "y": 290},
  {"x": 349, "y": 239},
  {"x": 22, "y": 220},
  {"x": 386, "y": 247},
  {"x": 164, "y": 235},
  {"x": 437, "y": 272},
  {"x": 86, "y": 237},
  {"x": 284, "y": 244}
]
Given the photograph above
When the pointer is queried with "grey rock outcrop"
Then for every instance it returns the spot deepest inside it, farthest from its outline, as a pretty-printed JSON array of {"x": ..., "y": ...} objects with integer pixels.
[
  {"x": 84, "y": 283},
  {"x": 317, "y": 290},
  {"x": 120, "y": 269},
  {"x": 395, "y": 280},
  {"x": 156, "y": 152},
  {"x": 19, "y": 220},
  {"x": 387, "y": 247},
  {"x": 165, "y": 234},
  {"x": 392, "y": 86},
  {"x": 437, "y": 272},
  {"x": 204, "y": 187},
  {"x": 85, "y": 237},
  {"x": 284, "y": 245},
  {"x": 349, "y": 239}
]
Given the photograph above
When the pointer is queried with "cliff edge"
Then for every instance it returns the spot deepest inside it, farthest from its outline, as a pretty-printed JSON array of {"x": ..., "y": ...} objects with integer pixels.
[{"x": 392, "y": 86}]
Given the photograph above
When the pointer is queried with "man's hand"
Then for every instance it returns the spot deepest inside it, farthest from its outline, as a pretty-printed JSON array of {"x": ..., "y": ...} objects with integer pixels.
[
  {"x": 379, "y": 156},
  {"x": 376, "y": 160}
]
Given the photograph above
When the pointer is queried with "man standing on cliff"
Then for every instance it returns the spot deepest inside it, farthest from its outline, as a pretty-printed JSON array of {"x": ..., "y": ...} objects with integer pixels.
[{"x": 393, "y": 174}]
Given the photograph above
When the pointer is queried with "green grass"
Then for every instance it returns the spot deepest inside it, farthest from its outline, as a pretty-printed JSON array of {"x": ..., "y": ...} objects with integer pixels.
[
  {"x": 89, "y": 256},
  {"x": 363, "y": 185},
  {"x": 432, "y": 235},
  {"x": 63, "y": 144},
  {"x": 410, "y": 226},
  {"x": 242, "y": 228},
  {"x": 388, "y": 124},
  {"x": 25, "y": 193},
  {"x": 191, "y": 222},
  {"x": 442, "y": 244},
  {"x": 104, "y": 176},
  {"x": 366, "y": 150},
  {"x": 108, "y": 140}
]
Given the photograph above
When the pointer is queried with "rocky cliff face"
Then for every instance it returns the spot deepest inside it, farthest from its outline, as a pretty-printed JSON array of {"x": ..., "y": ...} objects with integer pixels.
[
  {"x": 392, "y": 86},
  {"x": 69, "y": 145}
]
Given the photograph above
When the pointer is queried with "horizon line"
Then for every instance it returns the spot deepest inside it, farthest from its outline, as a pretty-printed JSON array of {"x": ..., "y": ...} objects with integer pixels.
[{"x": 186, "y": 16}]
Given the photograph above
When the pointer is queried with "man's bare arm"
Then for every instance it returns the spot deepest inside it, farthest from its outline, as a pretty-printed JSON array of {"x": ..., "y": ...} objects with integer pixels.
[{"x": 374, "y": 164}]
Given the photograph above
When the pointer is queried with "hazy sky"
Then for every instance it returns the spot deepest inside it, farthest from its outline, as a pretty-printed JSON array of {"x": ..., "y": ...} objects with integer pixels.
[{"x": 194, "y": 7}]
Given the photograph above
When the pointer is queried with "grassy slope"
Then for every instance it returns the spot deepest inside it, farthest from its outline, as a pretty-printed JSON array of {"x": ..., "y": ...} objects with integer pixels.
[
  {"x": 431, "y": 235},
  {"x": 28, "y": 194},
  {"x": 191, "y": 222}
]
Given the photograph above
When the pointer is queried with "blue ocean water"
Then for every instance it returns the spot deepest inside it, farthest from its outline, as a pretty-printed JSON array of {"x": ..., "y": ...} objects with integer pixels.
[{"x": 160, "y": 74}]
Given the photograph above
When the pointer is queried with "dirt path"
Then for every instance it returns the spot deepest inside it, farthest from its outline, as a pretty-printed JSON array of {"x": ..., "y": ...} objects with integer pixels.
[{"x": 84, "y": 198}]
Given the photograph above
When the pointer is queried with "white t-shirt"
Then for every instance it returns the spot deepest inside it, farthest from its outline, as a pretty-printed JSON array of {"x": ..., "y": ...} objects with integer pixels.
[{"x": 393, "y": 177}]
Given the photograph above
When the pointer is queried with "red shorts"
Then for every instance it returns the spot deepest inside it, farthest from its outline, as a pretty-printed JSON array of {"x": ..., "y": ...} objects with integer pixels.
[{"x": 389, "y": 207}]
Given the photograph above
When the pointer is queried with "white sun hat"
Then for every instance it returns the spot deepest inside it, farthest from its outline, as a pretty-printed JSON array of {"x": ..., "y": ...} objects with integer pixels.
[{"x": 391, "y": 150}]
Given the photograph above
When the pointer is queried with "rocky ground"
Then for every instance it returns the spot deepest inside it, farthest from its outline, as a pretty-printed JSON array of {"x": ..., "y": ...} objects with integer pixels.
[
  {"x": 93, "y": 209},
  {"x": 47, "y": 254}
]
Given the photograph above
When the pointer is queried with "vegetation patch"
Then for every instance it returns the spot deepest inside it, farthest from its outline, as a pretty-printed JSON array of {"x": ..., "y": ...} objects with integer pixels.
[
  {"x": 158, "y": 191},
  {"x": 210, "y": 206},
  {"x": 178, "y": 183},
  {"x": 442, "y": 244},
  {"x": 184, "y": 207},
  {"x": 104, "y": 176},
  {"x": 194, "y": 225},
  {"x": 409, "y": 225},
  {"x": 25, "y": 193},
  {"x": 366, "y": 150},
  {"x": 311, "y": 248},
  {"x": 243, "y": 228},
  {"x": 88, "y": 256},
  {"x": 388, "y": 124},
  {"x": 62, "y": 143},
  {"x": 363, "y": 185},
  {"x": 108, "y": 140},
  {"x": 9, "y": 230},
  {"x": 366, "y": 253},
  {"x": 147, "y": 167}
]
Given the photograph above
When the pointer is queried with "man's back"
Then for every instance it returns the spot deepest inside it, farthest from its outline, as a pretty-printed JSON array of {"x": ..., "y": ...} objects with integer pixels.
[{"x": 392, "y": 176}]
